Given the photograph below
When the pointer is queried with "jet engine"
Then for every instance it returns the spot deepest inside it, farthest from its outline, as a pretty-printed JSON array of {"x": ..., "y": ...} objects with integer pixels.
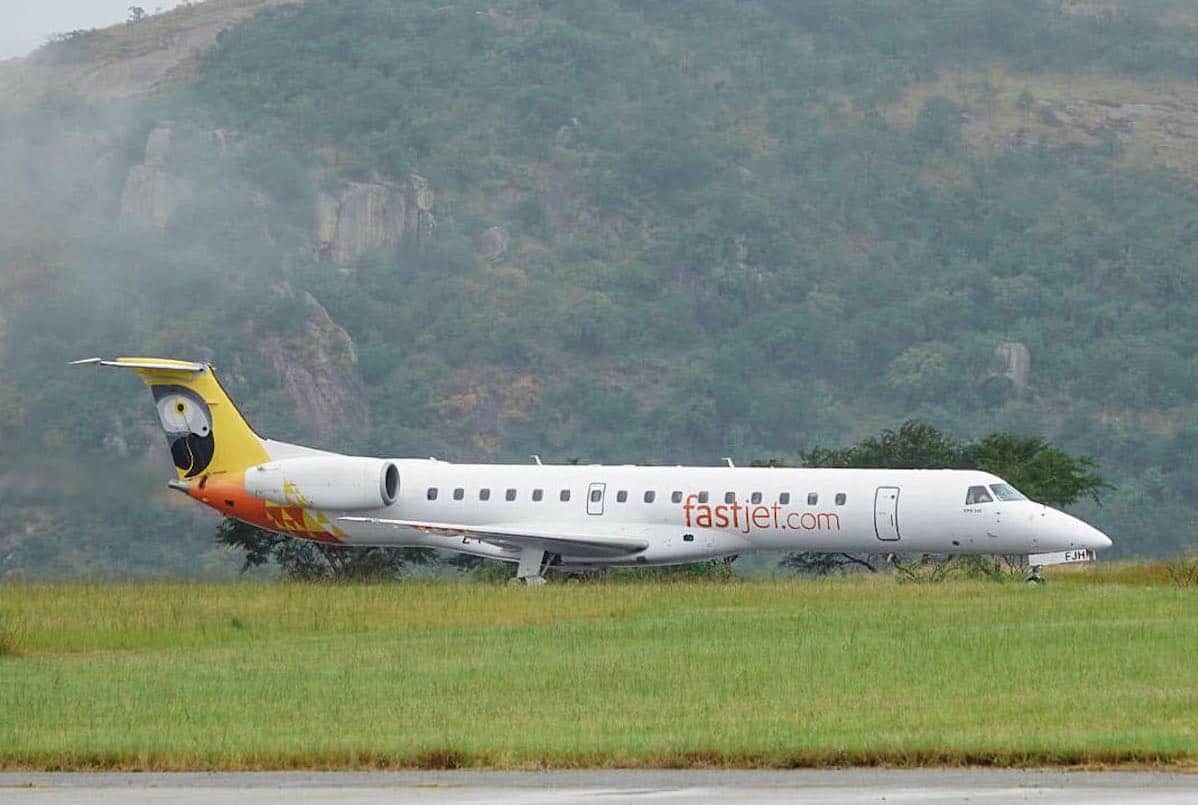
[{"x": 345, "y": 483}]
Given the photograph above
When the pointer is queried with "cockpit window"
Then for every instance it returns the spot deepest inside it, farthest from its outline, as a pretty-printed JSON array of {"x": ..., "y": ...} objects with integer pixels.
[
  {"x": 977, "y": 494},
  {"x": 1007, "y": 492}
]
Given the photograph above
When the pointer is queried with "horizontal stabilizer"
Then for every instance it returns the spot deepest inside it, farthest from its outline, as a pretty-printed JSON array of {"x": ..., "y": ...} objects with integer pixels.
[
  {"x": 580, "y": 545},
  {"x": 158, "y": 364}
]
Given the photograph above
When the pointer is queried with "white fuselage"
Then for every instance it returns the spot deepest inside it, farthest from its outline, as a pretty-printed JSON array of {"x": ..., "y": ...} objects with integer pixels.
[{"x": 694, "y": 513}]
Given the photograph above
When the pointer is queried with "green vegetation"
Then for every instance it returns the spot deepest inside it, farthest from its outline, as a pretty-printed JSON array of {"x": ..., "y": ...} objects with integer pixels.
[
  {"x": 685, "y": 674},
  {"x": 733, "y": 229},
  {"x": 1041, "y": 471},
  {"x": 305, "y": 560}
]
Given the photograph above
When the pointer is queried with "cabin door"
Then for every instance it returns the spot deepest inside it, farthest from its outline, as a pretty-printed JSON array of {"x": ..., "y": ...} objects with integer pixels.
[
  {"x": 886, "y": 513},
  {"x": 595, "y": 494}
]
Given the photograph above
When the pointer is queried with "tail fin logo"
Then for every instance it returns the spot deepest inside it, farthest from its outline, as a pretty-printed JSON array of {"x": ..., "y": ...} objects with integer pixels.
[{"x": 187, "y": 421}]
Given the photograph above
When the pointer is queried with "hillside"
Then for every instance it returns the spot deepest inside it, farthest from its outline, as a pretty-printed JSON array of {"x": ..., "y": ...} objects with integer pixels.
[{"x": 598, "y": 230}]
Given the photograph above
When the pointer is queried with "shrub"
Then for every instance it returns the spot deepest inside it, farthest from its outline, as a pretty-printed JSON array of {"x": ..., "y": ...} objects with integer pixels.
[{"x": 1183, "y": 571}]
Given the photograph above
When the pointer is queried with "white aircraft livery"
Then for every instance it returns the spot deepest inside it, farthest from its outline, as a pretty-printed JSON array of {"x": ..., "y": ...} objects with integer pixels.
[{"x": 578, "y": 518}]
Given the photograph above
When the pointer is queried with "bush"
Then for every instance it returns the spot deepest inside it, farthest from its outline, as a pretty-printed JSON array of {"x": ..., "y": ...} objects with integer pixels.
[
  {"x": 304, "y": 560},
  {"x": 1183, "y": 571},
  {"x": 714, "y": 570}
]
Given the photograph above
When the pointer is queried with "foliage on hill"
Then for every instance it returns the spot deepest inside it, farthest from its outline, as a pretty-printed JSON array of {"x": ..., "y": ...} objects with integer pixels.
[{"x": 738, "y": 228}]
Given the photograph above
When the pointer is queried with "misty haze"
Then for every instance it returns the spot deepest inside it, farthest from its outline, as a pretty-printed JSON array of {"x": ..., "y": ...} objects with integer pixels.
[{"x": 602, "y": 231}]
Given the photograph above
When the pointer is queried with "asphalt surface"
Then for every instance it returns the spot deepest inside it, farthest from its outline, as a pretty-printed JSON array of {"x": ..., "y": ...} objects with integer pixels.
[{"x": 605, "y": 786}]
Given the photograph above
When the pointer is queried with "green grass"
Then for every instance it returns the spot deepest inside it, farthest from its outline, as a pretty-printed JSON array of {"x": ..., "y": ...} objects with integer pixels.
[{"x": 777, "y": 673}]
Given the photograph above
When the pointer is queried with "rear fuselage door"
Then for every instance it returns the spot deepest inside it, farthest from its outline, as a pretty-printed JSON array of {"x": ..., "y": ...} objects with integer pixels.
[
  {"x": 886, "y": 513},
  {"x": 595, "y": 494}
]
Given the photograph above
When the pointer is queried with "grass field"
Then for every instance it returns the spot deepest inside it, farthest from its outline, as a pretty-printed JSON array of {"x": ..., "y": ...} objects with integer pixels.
[{"x": 772, "y": 673}]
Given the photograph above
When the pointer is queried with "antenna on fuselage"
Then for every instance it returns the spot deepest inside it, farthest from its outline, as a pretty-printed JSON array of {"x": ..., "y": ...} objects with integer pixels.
[
  {"x": 536, "y": 458},
  {"x": 729, "y": 460}
]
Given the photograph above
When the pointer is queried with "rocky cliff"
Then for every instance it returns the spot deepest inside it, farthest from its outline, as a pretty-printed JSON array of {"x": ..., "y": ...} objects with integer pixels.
[
  {"x": 319, "y": 369},
  {"x": 152, "y": 193},
  {"x": 364, "y": 216}
]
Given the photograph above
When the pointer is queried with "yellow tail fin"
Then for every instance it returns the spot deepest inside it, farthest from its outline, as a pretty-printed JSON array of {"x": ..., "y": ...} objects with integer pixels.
[{"x": 206, "y": 432}]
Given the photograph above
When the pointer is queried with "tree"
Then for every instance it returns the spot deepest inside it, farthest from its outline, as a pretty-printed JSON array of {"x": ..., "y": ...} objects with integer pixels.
[
  {"x": 136, "y": 14},
  {"x": 915, "y": 445},
  {"x": 304, "y": 560},
  {"x": 922, "y": 372},
  {"x": 811, "y": 563},
  {"x": 1026, "y": 100},
  {"x": 938, "y": 125},
  {"x": 1042, "y": 472}
]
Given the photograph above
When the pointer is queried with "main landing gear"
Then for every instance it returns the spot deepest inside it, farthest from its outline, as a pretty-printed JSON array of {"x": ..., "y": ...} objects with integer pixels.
[
  {"x": 534, "y": 562},
  {"x": 1034, "y": 576}
]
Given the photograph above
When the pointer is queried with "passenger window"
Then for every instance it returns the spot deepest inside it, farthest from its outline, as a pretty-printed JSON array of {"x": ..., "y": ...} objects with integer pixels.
[
  {"x": 688, "y": 537},
  {"x": 784, "y": 498},
  {"x": 564, "y": 496},
  {"x": 537, "y": 494},
  {"x": 432, "y": 493},
  {"x": 755, "y": 497},
  {"x": 703, "y": 497},
  {"x": 650, "y": 496},
  {"x": 840, "y": 498},
  {"x": 729, "y": 497},
  {"x": 484, "y": 494},
  {"x": 459, "y": 493},
  {"x": 812, "y": 498},
  {"x": 511, "y": 494},
  {"x": 977, "y": 494},
  {"x": 676, "y": 497},
  {"x": 622, "y": 496}
]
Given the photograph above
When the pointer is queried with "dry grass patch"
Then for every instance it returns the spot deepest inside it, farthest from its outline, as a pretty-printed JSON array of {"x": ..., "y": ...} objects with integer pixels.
[
  {"x": 12, "y": 637},
  {"x": 1154, "y": 121}
]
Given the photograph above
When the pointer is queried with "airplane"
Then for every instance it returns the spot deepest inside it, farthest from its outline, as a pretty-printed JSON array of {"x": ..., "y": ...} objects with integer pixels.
[{"x": 582, "y": 518}]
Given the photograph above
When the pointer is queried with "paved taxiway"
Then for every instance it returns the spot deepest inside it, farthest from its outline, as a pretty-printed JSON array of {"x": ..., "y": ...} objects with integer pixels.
[{"x": 604, "y": 786}]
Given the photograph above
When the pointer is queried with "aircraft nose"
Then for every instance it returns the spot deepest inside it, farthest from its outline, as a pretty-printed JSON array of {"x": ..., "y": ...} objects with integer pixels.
[
  {"x": 1096, "y": 540},
  {"x": 1078, "y": 533}
]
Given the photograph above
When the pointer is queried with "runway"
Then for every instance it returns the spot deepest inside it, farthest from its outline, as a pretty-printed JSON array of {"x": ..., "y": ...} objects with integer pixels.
[{"x": 603, "y": 786}]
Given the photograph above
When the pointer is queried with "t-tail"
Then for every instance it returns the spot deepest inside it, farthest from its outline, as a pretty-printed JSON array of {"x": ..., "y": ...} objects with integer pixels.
[
  {"x": 221, "y": 462},
  {"x": 207, "y": 435}
]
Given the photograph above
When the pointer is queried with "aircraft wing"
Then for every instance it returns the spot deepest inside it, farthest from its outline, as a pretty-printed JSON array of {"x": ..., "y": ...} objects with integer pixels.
[{"x": 581, "y": 545}]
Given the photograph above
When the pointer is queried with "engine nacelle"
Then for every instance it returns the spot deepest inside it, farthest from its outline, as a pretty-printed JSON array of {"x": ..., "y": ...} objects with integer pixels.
[{"x": 346, "y": 483}]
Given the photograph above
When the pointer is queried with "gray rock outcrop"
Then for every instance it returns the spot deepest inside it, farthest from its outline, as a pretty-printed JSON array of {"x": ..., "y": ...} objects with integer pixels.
[
  {"x": 492, "y": 243},
  {"x": 1013, "y": 360},
  {"x": 152, "y": 194},
  {"x": 506, "y": 20},
  {"x": 319, "y": 370},
  {"x": 364, "y": 216}
]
